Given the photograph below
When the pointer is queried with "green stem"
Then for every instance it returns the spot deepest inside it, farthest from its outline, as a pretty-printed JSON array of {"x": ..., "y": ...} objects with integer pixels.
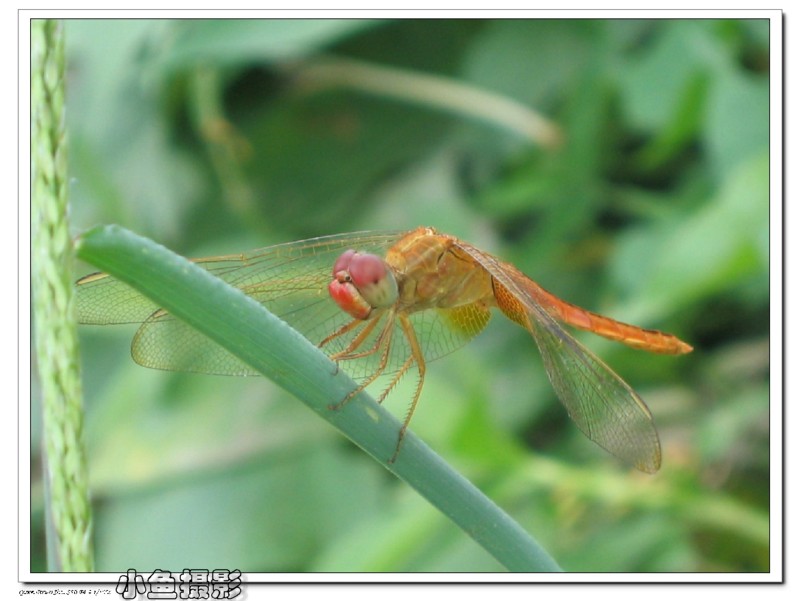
[
  {"x": 429, "y": 90},
  {"x": 66, "y": 477},
  {"x": 246, "y": 329}
]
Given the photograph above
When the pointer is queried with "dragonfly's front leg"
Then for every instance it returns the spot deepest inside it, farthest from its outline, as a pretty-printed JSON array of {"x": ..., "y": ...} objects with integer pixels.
[
  {"x": 350, "y": 325},
  {"x": 357, "y": 341},
  {"x": 384, "y": 341}
]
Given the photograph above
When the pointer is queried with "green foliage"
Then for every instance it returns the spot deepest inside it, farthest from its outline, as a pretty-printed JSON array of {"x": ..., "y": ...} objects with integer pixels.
[{"x": 654, "y": 210}]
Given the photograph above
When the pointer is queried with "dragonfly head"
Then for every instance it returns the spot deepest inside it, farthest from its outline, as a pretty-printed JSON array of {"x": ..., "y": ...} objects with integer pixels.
[{"x": 362, "y": 282}]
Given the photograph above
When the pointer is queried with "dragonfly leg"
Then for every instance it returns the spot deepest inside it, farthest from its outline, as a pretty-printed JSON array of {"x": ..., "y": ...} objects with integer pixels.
[
  {"x": 400, "y": 373},
  {"x": 349, "y": 352},
  {"x": 384, "y": 340},
  {"x": 352, "y": 325},
  {"x": 418, "y": 358}
]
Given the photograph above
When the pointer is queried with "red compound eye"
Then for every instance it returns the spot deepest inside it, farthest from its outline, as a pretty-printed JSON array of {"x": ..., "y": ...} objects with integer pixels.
[
  {"x": 362, "y": 282},
  {"x": 366, "y": 270},
  {"x": 343, "y": 262}
]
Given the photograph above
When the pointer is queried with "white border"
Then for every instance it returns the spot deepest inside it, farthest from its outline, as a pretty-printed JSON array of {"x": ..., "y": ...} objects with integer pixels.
[{"x": 776, "y": 289}]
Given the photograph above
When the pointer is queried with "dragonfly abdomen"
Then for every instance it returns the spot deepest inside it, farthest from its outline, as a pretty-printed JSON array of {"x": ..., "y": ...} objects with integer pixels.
[{"x": 653, "y": 341}]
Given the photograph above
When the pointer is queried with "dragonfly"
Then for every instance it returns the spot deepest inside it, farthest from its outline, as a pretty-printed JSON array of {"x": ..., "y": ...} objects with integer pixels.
[{"x": 387, "y": 304}]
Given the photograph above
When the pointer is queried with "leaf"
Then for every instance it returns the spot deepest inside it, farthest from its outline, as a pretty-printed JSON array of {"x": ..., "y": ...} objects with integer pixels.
[
  {"x": 258, "y": 41},
  {"x": 718, "y": 247},
  {"x": 737, "y": 127}
]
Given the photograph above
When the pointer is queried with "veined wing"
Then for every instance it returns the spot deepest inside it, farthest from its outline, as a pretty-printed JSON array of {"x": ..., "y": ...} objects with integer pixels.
[
  {"x": 291, "y": 281},
  {"x": 288, "y": 279},
  {"x": 600, "y": 403}
]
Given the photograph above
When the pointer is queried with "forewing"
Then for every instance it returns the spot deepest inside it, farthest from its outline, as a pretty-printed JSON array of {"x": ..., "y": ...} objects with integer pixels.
[
  {"x": 288, "y": 279},
  {"x": 600, "y": 403}
]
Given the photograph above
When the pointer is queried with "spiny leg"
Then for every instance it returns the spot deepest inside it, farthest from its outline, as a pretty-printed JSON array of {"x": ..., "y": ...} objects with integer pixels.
[
  {"x": 401, "y": 372},
  {"x": 351, "y": 325},
  {"x": 418, "y": 358},
  {"x": 349, "y": 353},
  {"x": 385, "y": 340},
  {"x": 357, "y": 340}
]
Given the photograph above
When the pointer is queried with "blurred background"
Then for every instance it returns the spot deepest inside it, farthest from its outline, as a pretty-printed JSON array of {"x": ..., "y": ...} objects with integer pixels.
[{"x": 640, "y": 192}]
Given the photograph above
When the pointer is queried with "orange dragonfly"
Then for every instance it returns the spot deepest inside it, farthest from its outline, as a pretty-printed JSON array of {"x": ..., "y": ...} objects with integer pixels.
[{"x": 386, "y": 304}]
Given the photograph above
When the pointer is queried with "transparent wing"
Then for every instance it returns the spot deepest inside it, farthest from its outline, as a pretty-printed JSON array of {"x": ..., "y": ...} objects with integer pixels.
[
  {"x": 291, "y": 281},
  {"x": 600, "y": 403},
  {"x": 288, "y": 279}
]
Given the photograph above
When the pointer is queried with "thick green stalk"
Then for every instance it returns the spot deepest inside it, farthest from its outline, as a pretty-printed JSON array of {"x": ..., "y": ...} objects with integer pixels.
[{"x": 66, "y": 477}]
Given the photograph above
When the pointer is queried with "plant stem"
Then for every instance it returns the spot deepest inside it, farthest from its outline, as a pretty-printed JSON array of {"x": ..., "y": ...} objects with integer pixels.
[
  {"x": 432, "y": 91},
  {"x": 65, "y": 473}
]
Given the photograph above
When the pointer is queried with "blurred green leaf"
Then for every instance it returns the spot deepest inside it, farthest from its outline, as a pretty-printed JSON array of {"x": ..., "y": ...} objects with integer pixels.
[
  {"x": 138, "y": 442},
  {"x": 720, "y": 245},
  {"x": 125, "y": 166},
  {"x": 675, "y": 136},
  {"x": 240, "y": 519},
  {"x": 259, "y": 41},
  {"x": 654, "y": 83},
  {"x": 738, "y": 121},
  {"x": 317, "y": 159},
  {"x": 651, "y": 541},
  {"x": 728, "y": 431},
  {"x": 530, "y": 60}
]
